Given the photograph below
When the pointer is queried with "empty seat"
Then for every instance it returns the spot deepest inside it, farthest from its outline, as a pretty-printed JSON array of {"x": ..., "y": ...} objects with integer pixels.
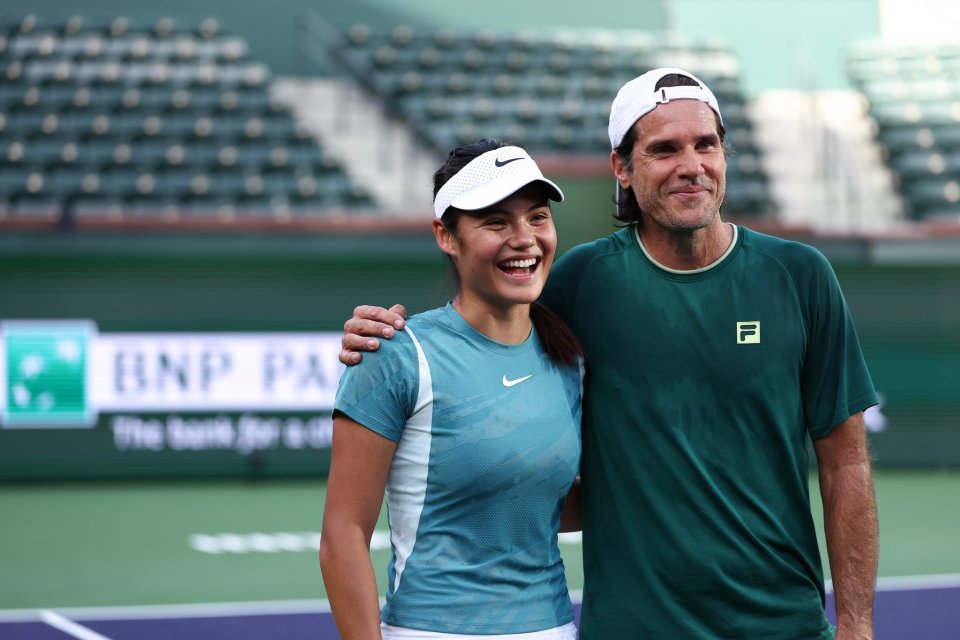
[
  {"x": 95, "y": 209},
  {"x": 22, "y": 181},
  {"x": 34, "y": 211},
  {"x": 153, "y": 209},
  {"x": 143, "y": 111},
  {"x": 97, "y": 152}
]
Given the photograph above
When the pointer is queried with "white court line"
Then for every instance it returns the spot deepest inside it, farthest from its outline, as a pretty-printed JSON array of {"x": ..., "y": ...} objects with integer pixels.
[
  {"x": 910, "y": 583},
  {"x": 70, "y": 627},
  {"x": 913, "y": 583},
  {"x": 269, "y": 607},
  {"x": 192, "y": 610}
]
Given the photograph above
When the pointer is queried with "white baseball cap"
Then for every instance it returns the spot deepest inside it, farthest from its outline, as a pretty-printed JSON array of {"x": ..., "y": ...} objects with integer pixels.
[
  {"x": 638, "y": 98},
  {"x": 489, "y": 178}
]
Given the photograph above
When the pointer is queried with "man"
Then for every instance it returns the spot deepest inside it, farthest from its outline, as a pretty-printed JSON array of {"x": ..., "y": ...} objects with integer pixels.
[{"x": 713, "y": 353}]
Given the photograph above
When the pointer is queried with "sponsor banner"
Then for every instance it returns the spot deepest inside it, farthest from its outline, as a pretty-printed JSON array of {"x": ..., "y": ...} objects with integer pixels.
[
  {"x": 242, "y": 434},
  {"x": 65, "y": 374},
  {"x": 44, "y": 374}
]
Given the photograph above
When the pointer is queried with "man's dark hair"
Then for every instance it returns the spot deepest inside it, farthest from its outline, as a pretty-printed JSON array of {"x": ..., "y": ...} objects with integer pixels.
[{"x": 627, "y": 207}]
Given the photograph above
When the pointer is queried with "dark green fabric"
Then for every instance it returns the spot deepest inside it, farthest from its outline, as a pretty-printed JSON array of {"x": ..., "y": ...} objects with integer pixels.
[{"x": 696, "y": 508}]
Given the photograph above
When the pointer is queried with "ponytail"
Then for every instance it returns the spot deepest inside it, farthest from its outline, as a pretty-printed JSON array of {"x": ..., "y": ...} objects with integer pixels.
[{"x": 555, "y": 336}]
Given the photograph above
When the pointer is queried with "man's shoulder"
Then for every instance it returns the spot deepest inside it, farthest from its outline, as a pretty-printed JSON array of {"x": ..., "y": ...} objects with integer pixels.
[
  {"x": 576, "y": 269},
  {"x": 584, "y": 253},
  {"x": 791, "y": 253}
]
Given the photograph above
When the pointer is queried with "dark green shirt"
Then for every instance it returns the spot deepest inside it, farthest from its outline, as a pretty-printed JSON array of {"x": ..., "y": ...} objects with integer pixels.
[{"x": 702, "y": 391}]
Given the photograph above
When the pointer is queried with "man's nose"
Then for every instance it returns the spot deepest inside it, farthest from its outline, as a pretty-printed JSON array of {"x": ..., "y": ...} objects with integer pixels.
[{"x": 690, "y": 163}]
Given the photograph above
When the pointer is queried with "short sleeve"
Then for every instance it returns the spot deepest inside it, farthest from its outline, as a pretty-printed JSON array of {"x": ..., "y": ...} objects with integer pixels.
[
  {"x": 835, "y": 381},
  {"x": 380, "y": 392}
]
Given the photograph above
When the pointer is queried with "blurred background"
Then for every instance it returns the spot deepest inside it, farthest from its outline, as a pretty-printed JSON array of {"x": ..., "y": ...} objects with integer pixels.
[{"x": 192, "y": 201}]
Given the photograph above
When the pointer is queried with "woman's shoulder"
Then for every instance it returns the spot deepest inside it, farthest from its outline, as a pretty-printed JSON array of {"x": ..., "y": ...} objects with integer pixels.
[{"x": 428, "y": 318}]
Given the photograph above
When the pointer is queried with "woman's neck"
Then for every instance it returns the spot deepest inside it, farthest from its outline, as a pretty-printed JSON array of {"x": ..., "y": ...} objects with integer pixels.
[{"x": 509, "y": 325}]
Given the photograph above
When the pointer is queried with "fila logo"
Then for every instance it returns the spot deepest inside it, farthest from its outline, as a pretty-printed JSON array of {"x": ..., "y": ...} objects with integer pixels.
[
  {"x": 748, "y": 332},
  {"x": 510, "y": 383}
]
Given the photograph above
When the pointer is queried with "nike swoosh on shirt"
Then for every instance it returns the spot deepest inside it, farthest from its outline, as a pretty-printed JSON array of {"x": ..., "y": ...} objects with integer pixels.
[
  {"x": 510, "y": 383},
  {"x": 500, "y": 163}
]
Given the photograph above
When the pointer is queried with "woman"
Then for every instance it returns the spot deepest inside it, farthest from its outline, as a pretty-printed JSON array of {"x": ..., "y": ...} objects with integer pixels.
[{"x": 469, "y": 422}]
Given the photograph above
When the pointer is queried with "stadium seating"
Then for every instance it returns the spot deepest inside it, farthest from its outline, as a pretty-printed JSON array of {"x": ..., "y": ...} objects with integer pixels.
[
  {"x": 547, "y": 90},
  {"x": 139, "y": 117},
  {"x": 914, "y": 97}
]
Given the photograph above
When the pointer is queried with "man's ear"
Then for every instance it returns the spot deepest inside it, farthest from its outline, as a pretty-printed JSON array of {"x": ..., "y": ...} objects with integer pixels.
[
  {"x": 445, "y": 239},
  {"x": 620, "y": 170}
]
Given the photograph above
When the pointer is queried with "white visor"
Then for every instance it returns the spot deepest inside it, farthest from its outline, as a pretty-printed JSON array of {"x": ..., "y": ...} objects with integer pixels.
[
  {"x": 638, "y": 98},
  {"x": 490, "y": 178}
]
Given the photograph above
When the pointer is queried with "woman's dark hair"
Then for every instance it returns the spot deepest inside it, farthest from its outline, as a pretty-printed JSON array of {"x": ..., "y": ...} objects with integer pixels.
[
  {"x": 461, "y": 157},
  {"x": 627, "y": 207},
  {"x": 557, "y": 340}
]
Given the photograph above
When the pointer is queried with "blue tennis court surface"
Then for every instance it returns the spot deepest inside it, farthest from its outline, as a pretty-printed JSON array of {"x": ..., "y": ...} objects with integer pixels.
[{"x": 911, "y": 608}]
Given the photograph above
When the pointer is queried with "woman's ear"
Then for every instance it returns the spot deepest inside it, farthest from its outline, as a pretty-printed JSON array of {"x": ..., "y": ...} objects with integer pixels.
[{"x": 445, "y": 239}]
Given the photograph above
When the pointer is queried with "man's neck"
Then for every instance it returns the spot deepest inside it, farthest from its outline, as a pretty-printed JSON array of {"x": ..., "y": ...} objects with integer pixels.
[{"x": 686, "y": 250}]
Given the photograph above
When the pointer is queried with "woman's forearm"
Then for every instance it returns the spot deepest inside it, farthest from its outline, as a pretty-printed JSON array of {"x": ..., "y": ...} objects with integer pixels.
[{"x": 351, "y": 584}]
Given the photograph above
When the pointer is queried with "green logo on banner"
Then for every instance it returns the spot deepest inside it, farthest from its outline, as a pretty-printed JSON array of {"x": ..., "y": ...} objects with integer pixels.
[{"x": 46, "y": 374}]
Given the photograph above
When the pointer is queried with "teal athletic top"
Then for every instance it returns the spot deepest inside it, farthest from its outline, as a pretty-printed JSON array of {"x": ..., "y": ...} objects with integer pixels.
[
  {"x": 702, "y": 391},
  {"x": 488, "y": 446}
]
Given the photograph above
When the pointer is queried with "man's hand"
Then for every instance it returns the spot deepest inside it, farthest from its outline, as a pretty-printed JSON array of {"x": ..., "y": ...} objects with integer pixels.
[{"x": 368, "y": 323}]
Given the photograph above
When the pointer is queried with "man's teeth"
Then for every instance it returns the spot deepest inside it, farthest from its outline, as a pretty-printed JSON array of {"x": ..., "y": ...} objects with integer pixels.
[{"x": 519, "y": 264}]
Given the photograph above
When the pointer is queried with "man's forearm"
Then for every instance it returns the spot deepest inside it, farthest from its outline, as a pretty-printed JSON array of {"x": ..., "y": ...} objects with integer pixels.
[{"x": 850, "y": 523}]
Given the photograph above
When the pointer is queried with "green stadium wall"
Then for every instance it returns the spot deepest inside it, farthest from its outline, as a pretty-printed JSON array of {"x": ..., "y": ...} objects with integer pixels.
[{"x": 906, "y": 311}]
